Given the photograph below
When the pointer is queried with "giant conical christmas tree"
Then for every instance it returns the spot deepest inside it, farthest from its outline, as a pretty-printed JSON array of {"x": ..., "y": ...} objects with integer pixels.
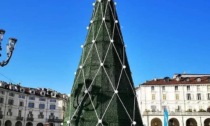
[{"x": 103, "y": 93}]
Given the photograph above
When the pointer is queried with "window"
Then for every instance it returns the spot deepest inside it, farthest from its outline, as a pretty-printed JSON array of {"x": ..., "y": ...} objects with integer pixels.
[
  {"x": 208, "y": 88},
  {"x": 198, "y": 79},
  {"x": 199, "y": 96},
  {"x": 10, "y": 101},
  {"x": 19, "y": 113},
  {"x": 52, "y": 100},
  {"x": 52, "y": 106},
  {"x": 152, "y": 88},
  {"x": 11, "y": 94},
  {"x": 41, "y": 106},
  {"x": 198, "y": 88},
  {"x": 201, "y": 108},
  {"x": 1, "y": 100},
  {"x": 153, "y": 96},
  {"x": 188, "y": 97},
  {"x": 42, "y": 99},
  {"x": 22, "y": 96},
  {"x": 1, "y": 113},
  {"x": 9, "y": 112},
  {"x": 163, "y": 88},
  {"x": 177, "y": 96},
  {"x": 187, "y": 79},
  {"x": 189, "y": 109},
  {"x": 176, "y": 88},
  {"x": 41, "y": 115},
  {"x": 167, "y": 79},
  {"x": 164, "y": 96},
  {"x": 51, "y": 116},
  {"x": 208, "y": 96},
  {"x": 31, "y": 98},
  {"x": 30, "y": 114},
  {"x": 178, "y": 109},
  {"x": 153, "y": 107},
  {"x": 2, "y": 92},
  {"x": 31, "y": 105},
  {"x": 164, "y": 107},
  {"x": 21, "y": 103},
  {"x": 188, "y": 88}
]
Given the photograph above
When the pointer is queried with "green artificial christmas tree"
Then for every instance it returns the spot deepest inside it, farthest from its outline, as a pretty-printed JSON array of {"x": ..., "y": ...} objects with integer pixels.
[{"x": 103, "y": 92}]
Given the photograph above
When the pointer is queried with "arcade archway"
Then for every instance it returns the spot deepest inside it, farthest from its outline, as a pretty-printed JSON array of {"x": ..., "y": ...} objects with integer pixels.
[
  {"x": 40, "y": 124},
  {"x": 156, "y": 122},
  {"x": 191, "y": 122},
  {"x": 51, "y": 124},
  {"x": 8, "y": 123},
  {"x": 29, "y": 124},
  {"x": 207, "y": 122},
  {"x": 173, "y": 122},
  {"x": 18, "y": 123}
]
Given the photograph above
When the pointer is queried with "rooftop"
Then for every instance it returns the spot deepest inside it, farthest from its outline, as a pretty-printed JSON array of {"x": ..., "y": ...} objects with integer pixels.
[
  {"x": 190, "y": 75},
  {"x": 34, "y": 91},
  {"x": 181, "y": 79}
]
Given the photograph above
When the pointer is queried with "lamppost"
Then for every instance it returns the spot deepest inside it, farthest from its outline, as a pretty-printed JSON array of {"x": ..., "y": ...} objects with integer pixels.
[{"x": 10, "y": 48}]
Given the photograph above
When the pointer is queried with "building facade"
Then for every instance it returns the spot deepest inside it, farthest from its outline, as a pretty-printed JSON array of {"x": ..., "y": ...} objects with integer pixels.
[
  {"x": 185, "y": 96},
  {"x": 23, "y": 106}
]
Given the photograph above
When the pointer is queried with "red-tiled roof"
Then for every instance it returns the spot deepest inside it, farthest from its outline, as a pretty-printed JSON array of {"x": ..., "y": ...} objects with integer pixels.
[{"x": 182, "y": 80}]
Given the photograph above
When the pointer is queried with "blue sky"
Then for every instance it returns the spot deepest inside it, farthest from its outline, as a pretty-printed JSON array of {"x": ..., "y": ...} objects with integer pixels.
[{"x": 163, "y": 37}]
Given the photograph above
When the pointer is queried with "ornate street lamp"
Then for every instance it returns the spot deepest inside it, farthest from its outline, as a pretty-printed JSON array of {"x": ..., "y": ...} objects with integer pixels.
[{"x": 10, "y": 48}]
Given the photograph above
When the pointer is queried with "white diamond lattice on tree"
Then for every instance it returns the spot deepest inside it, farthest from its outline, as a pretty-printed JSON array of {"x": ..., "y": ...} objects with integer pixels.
[{"x": 103, "y": 93}]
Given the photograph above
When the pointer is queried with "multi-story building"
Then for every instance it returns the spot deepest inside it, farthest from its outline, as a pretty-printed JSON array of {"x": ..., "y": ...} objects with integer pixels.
[
  {"x": 185, "y": 96},
  {"x": 23, "y": 106}
]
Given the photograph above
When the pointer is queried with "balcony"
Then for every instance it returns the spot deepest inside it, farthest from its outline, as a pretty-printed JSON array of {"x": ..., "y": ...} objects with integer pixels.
[
  {"x": 55, "y": 120},
  {"x": 177, "y": 113},
  {"x": 19, "y": 118},
  {"x": 30, "y": 119},
  {"x": 40, "y": 116}
]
